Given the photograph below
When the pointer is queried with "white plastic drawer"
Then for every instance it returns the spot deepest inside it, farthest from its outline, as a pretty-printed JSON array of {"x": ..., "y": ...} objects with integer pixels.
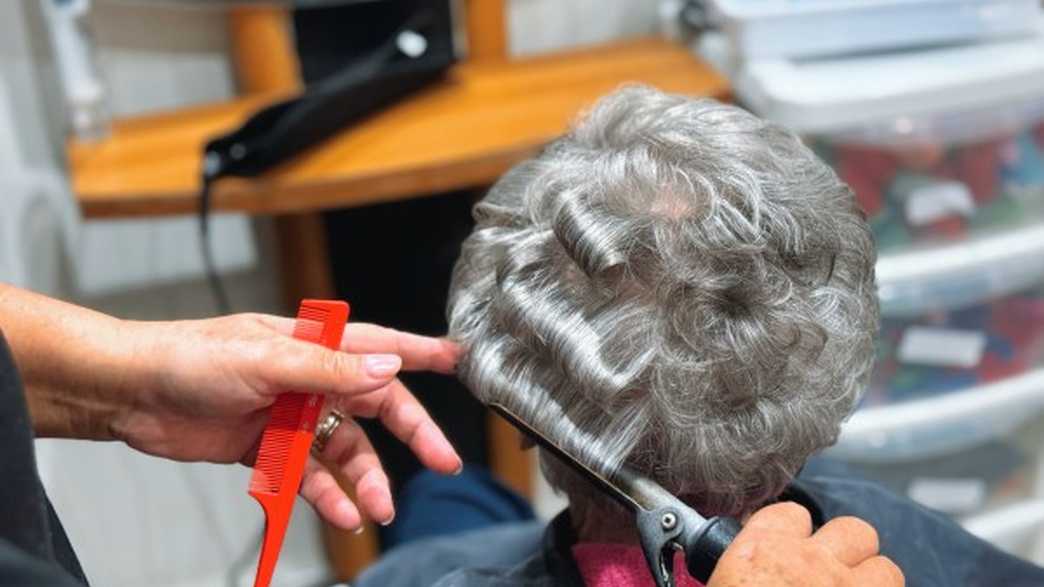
[
  {"x": 979, "y": 479},
  {"x": 950, "y": 380},
  {"x": 943, "y": 147},
  {"x": 1017, "y": 528},
  {"x": 955, "y": 275},
  {"x": 943, "y": 190},
  {"x": 941, "y": 425},
  {"x": 761, "y": 29},
  {"x": 993, "y": 488}
]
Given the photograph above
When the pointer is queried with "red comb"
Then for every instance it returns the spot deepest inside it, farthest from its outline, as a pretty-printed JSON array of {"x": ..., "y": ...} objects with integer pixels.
[{"x": 288, "y": 436}]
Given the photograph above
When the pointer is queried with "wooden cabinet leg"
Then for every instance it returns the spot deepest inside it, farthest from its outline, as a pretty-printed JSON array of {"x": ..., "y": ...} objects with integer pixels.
[
  {"x": 304, "y": 262},
  {"x": 509, "y": 463},
  {"x": 350, "y": 553}
]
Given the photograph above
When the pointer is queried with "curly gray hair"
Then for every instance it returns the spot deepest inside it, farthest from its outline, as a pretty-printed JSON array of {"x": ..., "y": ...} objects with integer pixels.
[{"x": 676, "y": 285}]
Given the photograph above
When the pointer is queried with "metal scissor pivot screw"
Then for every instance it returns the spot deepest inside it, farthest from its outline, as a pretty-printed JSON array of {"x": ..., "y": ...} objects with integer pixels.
[{"x": 668, "y": 521}]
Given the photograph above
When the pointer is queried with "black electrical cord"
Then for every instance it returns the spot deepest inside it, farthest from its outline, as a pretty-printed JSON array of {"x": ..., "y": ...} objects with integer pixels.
[{"x": 211, "y": 170}]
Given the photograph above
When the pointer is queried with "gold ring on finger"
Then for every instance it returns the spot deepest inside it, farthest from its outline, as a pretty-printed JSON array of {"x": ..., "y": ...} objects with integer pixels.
[{"x": 324, "y": 431}]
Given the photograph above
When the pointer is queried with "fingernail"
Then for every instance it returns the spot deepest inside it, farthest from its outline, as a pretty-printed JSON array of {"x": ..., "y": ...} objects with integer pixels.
[
  {"x": 459, "y": 469},
  {"x": 358, "y": 530},
  {"x": 381, "y": 366},
  {"x": 389, "y": 520}
]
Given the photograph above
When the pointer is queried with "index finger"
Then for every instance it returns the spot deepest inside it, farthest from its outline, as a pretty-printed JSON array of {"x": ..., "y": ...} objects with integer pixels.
[
  {"x": 418, "y": 353},
  {"x": 786, "y": 518}
]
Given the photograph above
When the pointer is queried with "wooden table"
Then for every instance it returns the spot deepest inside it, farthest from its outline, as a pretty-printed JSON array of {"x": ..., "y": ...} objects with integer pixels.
[{"x": 462, "y": 132}]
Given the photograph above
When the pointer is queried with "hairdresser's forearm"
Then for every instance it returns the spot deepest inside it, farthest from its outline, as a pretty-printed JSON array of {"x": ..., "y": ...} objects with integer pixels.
[{"x": 78, "y": 366}]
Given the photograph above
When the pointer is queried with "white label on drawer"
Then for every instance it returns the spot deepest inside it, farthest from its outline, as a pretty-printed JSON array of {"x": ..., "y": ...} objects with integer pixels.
[
  {"x": 941, "y": 347},
  {"x": 953, "y": 496},
  {"x": 938, "y": 200}
]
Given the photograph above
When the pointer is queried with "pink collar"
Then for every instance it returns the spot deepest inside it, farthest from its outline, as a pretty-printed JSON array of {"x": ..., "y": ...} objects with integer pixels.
[{"x": 622, "y": 565}]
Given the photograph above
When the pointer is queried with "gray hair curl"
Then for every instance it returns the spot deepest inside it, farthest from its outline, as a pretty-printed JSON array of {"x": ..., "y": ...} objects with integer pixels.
[{"x": 676, "y": 285}]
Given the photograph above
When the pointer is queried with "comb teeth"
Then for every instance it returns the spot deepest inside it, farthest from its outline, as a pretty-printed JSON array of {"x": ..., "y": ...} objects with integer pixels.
[
  {"x": 321, "y": 321},
  {"x": 311, "y": 319},
  {"x": 308, "y": 330},
  {"x": 315, "y": 309},
  {"x": 275, "y": 443}
]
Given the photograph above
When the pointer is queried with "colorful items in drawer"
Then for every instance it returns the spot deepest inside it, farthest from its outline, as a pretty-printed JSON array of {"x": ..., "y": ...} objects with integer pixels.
[
  {"x": 889, "y": 232},
  {"x": 1023, "y": 162},
  {"x": 927, "y": 200},
  {"x": 928, "y": 191},
  {"x": 1012, "y": 329}
]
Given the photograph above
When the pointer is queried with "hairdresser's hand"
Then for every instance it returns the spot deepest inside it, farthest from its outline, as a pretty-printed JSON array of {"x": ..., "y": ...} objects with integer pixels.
[
  {"x": 199, "y": 390},
  {"x": 777, "y": 548},
  {"x": 214, "y": 380}
]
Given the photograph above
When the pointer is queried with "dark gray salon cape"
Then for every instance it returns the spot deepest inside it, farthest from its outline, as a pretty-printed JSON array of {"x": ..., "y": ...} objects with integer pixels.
[
  {"x": 931, "y": 549},
  {"x": 34, "y": 549}
]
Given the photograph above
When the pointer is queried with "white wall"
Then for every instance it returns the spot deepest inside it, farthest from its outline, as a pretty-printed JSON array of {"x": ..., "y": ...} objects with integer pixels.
[
  {"x": 136, "y": 520},
  {"x": 32, "y": 141},
  {"x": 538, "y": 26}
]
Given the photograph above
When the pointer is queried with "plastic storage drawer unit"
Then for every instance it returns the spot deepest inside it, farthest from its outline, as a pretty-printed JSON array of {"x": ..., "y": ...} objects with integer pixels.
[{"x": 944, "y": 149}]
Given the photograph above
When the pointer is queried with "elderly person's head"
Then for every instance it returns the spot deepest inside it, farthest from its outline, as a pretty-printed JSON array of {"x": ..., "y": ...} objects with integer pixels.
[{"x": 675, "y": 285}]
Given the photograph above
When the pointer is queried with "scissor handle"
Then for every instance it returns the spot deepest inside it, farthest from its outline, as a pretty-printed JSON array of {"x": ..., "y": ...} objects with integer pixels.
[{"x": 705, "y": 545}]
